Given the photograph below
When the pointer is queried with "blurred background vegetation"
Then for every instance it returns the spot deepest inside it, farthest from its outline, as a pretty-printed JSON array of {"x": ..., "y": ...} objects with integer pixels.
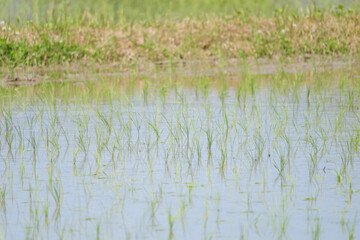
[{"x": 116, "y": 11}]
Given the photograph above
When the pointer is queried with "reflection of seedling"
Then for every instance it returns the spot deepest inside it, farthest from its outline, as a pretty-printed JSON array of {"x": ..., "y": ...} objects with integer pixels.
[
  {"x": 57, "y": 193},
  {"x": 171, "y": 220},
  {"x": 316, "y": 229},
  {"x": 280, "y": 167},
  {"x": 351, "y": 228},
  {"x": 3, "y": 198}
]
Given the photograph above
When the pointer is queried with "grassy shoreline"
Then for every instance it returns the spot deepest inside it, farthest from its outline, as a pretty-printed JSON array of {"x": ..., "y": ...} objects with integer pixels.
[{"x": 69, "y": 40}]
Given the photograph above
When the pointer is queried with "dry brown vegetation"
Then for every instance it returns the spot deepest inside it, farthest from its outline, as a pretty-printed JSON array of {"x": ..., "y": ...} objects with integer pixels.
[{"x": 233, "y": 37}]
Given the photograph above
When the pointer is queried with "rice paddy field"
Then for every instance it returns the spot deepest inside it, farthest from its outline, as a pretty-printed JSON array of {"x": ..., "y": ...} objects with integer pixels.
[{"x": 179, "y": 120}]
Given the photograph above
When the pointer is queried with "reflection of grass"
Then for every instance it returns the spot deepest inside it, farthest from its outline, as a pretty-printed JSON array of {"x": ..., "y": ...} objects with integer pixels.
[{"x": 62, "y": 40}]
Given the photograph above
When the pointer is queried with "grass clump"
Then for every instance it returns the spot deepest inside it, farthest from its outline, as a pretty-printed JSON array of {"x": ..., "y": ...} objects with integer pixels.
[{"x": 14, "y": 53}]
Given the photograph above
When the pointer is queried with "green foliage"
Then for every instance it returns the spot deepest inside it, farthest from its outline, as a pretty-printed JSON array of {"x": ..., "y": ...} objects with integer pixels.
[{"x": 15, "y": 53}]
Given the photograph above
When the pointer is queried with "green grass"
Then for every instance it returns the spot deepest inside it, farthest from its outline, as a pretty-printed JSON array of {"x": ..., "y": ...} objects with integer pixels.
[{"x": 47, "y": 53}]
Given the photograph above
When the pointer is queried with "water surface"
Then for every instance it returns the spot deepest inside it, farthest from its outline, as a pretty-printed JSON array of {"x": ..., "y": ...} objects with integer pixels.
[{"x": 185, "y": 156}]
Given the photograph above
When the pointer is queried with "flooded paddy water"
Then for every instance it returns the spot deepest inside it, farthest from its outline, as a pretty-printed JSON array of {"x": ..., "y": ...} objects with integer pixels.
[{"x": 228, "y": 153}]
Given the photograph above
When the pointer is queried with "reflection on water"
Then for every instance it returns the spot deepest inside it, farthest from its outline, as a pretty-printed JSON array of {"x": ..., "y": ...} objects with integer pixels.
[{"x": 258, "y": 157}]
